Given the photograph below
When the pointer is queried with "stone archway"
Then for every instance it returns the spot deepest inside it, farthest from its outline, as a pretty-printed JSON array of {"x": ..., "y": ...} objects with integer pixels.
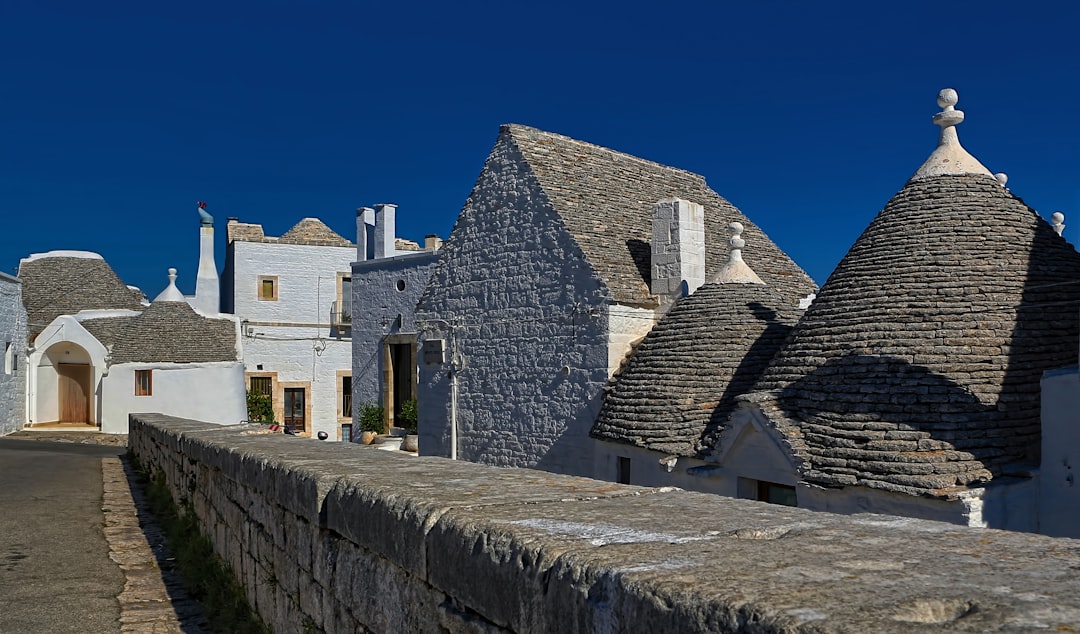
[{"x": 65, "y": 385}]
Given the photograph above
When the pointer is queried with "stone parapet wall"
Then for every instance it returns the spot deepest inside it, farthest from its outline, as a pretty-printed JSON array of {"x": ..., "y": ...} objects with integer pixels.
[{"x": 344, "y": 538}]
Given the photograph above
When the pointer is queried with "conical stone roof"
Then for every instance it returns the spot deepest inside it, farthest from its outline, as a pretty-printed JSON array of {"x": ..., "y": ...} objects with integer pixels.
[
  {"x": 680, "y": 385},
  {"x": 917, "y": 367}
]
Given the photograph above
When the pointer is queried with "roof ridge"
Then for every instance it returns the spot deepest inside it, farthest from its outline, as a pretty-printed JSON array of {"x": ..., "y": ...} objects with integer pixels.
[{"x": 512, "y": 127}]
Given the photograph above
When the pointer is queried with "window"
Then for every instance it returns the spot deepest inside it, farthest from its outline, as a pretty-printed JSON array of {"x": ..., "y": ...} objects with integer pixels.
[
  {"x": 261, "y": 385},
  {"x": 764, "y": 491},
  {"x": 144, "y": 382},
  {"x": 623, "y": 470},
  {"x": 346, "y": 432},
  {"x": 346, "y": 397},
  {"x": 268, "y": 288}
]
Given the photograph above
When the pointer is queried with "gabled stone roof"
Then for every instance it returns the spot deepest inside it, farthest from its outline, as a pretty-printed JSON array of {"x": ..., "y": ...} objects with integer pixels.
[
  {"x": 54, "y": 286},
  {"x": 167, "y": 332},
  {"x": 312, "y": 231},
  {"x": 917, "y": 367},
  {"x": 679, "y": 387},
  {"x": 605, "y": 198}
]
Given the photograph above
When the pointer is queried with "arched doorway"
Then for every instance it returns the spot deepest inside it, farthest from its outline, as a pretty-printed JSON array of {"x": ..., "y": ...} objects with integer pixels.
[{"x": 65, "y": 385}]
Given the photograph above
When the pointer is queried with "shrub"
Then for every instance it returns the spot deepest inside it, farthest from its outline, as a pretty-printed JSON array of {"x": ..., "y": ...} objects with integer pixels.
[
  {"x": 260, "y": 408},
  {"x": 408, "y": 417},
  {"x": 371, "y": 418}
]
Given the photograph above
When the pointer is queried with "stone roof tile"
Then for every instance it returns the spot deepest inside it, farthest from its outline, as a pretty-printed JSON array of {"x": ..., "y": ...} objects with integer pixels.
[
  {"x": 679, "y": 387},
  {"x": 312, "y": 231},
  {"x": 54, "y": 286},
  {"x": 917, "y": 367},
  {"x": 605, "y": 198},
  {"x": 168, "y": 332}
]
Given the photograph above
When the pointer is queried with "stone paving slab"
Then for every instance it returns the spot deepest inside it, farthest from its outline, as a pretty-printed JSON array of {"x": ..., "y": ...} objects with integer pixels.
[{"x": 153, "y": 600}]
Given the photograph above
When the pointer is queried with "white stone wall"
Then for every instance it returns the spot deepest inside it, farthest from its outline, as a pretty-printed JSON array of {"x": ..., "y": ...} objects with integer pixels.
[
  {"x": 209, "y": 392},
  {"x": 524, "y": 318},
  {"x": 292, "y": 336},
  {"x": 13, "y": 361},
  {"x": 627, "y": 325},
  {"x": 62, "y": 341},
  {"x": 385, "y": 293},
  {"x": 1059, "y": 512}
]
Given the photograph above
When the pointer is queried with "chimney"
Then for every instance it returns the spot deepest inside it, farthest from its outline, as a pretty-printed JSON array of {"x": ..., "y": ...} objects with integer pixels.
[
  {"x": 365, "y": 234},
  {"x": 385, "y": 229},
  {"x": 432, "y": 242},
  {"x": 678, "y": 249},
  {"x": 207, "y": 285}
]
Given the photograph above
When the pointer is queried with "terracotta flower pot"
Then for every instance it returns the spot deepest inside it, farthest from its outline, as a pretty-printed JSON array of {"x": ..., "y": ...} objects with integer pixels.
[{"x": 368, "y": 437}]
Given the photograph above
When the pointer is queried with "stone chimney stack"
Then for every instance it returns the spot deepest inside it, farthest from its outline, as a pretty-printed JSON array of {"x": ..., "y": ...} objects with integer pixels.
[
  {"x": 432, "y": 242},
  {"x": 365, "y": 234},
  {"x": 678, "y": 249},
  {"x": 207, "y": 284},
  {"x": 385, "y": 230}
]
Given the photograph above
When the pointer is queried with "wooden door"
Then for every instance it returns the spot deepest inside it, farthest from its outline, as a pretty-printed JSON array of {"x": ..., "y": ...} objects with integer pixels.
[
  {"x": 73, "y": 390},
  {"x": 294, "y": 409}
]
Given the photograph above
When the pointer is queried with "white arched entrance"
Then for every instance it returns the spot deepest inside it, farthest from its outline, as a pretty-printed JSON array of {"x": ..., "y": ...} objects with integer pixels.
[{"x": 66, "y": 364}]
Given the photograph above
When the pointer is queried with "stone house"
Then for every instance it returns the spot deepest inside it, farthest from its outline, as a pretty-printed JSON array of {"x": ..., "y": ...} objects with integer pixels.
[
  {"x": 387, "y": 281},
  {"x": 663, "y": 411},
  {"x": 911, "y": 384},
  {"x": 98, "y": 352},
  {"x": 293, "y": 295},
  {"x": 563, "y": 256},
  {"x": 13, "y": 363}
]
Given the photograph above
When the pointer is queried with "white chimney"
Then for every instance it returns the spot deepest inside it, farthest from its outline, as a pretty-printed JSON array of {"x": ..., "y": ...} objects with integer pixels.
[
  {"x": 365, "y": 234},
  {"x": 678, "y": 249},
  {"x": 385, "y": 230},
  {"x": 207, "y": 284}
]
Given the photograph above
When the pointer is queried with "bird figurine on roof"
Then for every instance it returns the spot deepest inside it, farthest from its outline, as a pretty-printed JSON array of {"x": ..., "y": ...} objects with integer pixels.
[{"x": 205, "y": 219}]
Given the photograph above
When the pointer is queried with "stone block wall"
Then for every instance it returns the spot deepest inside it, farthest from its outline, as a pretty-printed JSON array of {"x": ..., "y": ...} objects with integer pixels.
[
  {"x": 12, "y": 355},
  {"x": 345, "y": 538},
  {"x": 517, "y": 306}
]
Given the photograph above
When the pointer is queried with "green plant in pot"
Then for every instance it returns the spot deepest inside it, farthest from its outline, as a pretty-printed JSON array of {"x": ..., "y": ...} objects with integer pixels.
[
  {"x": 408, "y": 417},
  {"x": 371, "y": 422}
]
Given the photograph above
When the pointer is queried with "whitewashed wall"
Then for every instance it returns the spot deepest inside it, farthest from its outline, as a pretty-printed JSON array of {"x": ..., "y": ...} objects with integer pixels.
[
  {"x": 210, "y": 392},
  {"x": 626, "y": 326},
  {"x": 13, "y": 363},
  {"x": 525, "y": 322},
  {"x": 292, "y": 335},
  {"x": 62, "y": 341},
  {"x": 1059, "y": 513},
  {"x": 377, "y": 304}
]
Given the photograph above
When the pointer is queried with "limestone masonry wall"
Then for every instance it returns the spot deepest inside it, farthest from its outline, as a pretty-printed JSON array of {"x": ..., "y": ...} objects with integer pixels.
[
  {"x": 12, "y": 355},
  {"x": 344, "y": 538}
]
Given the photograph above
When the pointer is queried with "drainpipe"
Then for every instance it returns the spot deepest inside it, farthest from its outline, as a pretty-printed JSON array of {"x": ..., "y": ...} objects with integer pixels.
[{"x": 453, "y": 414}]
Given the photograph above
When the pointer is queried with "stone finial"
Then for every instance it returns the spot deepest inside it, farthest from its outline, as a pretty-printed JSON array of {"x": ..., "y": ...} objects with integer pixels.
[
  {"x": 1002, "y": 178},
  {"x": 171, "y": 293},
  {"x": 736, "y": 271},
  {"x": 1057, "y": 220},
  {"x": 949, "y": 157}
]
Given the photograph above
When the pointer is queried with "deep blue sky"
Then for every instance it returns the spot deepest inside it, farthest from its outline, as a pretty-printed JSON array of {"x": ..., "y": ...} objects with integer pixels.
[{"x": 118, "y": 116}]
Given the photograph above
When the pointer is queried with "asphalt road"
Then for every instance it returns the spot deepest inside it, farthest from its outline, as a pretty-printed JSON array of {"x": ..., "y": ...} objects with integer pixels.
[{"x": 55, "y": 571}]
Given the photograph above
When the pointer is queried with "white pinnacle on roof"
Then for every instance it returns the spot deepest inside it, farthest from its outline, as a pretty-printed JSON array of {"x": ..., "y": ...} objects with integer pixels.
[
  {"x": 949, "y": 157},
  {"x": 171, "y": 293},
  {"x": 1057, "y": 220},
  {"x": 735, "y": 270}
]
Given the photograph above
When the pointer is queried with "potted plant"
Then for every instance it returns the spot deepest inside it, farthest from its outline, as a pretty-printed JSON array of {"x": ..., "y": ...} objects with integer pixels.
[
  {"x": 407, "y": 418},
  {"x": 371, "y": 422}
]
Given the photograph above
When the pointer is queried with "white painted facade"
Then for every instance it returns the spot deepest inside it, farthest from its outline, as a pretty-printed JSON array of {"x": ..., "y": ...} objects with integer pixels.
[
  {"x": 13, "y": 362},
  {"x": 199, "y": 391},
  {"x": 1059, "y": 490},
  {"x": 289, "y": 337},
  {"x": 212, "y": 392},
  {"x": 385, "y": 293}
]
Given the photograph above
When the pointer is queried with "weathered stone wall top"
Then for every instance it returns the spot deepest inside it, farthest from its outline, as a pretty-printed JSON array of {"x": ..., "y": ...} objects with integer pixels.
[{"x": 532, "y": 551}]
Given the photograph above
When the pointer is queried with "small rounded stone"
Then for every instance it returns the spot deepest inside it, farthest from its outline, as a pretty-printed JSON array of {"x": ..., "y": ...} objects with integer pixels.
[{"x": 947, "y": 97}]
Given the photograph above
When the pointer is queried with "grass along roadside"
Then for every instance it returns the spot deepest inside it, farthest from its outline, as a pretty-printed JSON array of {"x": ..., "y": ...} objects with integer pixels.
[{"x": 207, "y": 578}]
